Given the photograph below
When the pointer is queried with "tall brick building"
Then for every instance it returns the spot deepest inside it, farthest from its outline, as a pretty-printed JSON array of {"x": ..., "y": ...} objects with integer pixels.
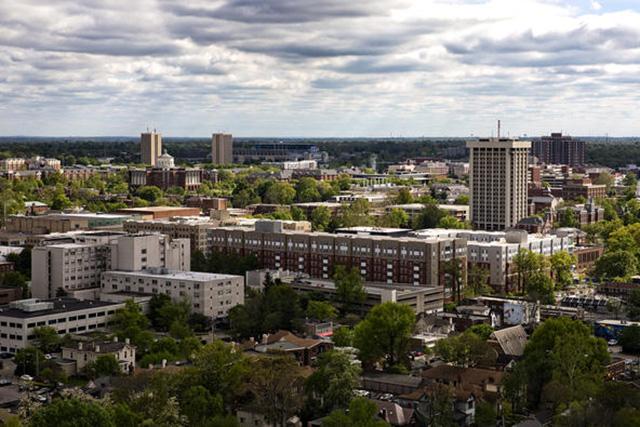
[
  {"x": 559, "y": 149},
  {"x": 390, "y": 260}
]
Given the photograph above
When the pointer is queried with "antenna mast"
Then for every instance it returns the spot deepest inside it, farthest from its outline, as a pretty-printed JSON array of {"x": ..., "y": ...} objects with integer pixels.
[{"x": 498, "y": 130}]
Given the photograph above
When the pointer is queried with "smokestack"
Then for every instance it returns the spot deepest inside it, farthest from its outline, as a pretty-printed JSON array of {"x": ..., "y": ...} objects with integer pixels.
[{"x": 498, "y": 130}]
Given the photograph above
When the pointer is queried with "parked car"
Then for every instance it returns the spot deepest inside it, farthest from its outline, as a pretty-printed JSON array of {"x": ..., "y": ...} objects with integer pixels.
[
  {"x": 26, "y": 377},
  {"x": 6, "y": 355},
  {"x": 612, "y": 342},
  {"x": 4, "y": 382}
]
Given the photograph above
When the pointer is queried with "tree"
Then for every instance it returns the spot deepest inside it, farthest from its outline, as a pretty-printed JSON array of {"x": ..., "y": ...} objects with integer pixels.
[
  {"x": 343, "y": 336},
  {"x": 616, "y": 266},
  {"x": 355, "y": 214},
  {"x": 455, "y": 270},
  {"x": 477, "y": 281},
  {"x": 29, "y": 361},
  {"x": 540, "y": 288},
  {"x": 395, "y": 218},
  {"x": 384, "y": 335},
  {"x": 333, "y": 382},
  {"x": 565, "y": 359},
  {"x": 349, "y": 288},
  {"x": 561, "y": 264},
  {"x": 437, "y": 411},
  {"x": 320, "y": 310},
  {"x": 72, "y": 412},
  {"x": 429, "y": 217},
  {"x": 568, "y": 218},
  {"x": 403, "y": 197},
  {"x": 630, "y": 339},
  {"x": 465, "y": 350},
  {"x": 362, "y": 413},
  {"x": 47, "y": 339},
  {"x": 222, "y": 369},
  {"x": 129, "y": 322},
  {"x": 449, "y": 221},
  {"x": 526, "y": 263},
  {"x": 280, "y": 193},
  {"x": 320, "y": 218},
  {"x": 633, "y": 305},
  {"x": 276, "y": 384},
  {"x": 200, "y": 406},
  {"x": 104, "y": 365},
  {"x": 21, "y": 261},
  {"x": 482, "y": 330},
  {"x": 486, "y": 415},
  {"x": 307, "y": 190},
  {"x": 149, "y": 193}
]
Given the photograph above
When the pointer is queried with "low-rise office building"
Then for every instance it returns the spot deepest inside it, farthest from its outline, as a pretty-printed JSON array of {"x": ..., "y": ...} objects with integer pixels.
[
  {"x": 65, "y": 315},
  {"x": 63, "y": 222},
  {"x": 160, "y": 212},
  {"x": 212, "y": 295},
  {"x": 421, "y": 299}
]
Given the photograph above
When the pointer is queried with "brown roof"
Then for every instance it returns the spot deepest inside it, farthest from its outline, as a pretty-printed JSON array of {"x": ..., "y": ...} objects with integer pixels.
[
  {"x": 293, "y": 339},
  {"x": 463, "y": 376}
]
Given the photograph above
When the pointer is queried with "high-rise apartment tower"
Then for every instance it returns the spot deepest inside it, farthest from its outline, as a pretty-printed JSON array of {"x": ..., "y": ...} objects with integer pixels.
[
  {"x": 498, "y": 179},
  {"x": 150, "y": 147},
  {"x": 222, "y": 148}
]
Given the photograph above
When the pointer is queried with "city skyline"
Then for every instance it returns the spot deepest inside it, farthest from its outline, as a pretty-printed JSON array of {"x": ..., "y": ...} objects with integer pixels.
[{"x": 319, "y": 69}]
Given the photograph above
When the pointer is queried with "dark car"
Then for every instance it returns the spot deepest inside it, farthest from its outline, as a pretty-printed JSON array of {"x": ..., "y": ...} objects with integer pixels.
[{"x": 6, "y": 355}]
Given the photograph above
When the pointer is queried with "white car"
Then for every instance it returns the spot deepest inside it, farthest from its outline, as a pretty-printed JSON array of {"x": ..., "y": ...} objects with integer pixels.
[
  {"x": 612, "y": 342},
  {"x": 26, "y": 377}
]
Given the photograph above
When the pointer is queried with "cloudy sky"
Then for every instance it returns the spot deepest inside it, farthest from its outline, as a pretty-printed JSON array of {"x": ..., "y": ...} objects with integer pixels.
[{"x": 319, "y": 67}]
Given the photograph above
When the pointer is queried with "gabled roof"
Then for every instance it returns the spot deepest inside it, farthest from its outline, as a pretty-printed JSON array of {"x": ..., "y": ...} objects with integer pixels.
[{"x": 510, "y": 340}]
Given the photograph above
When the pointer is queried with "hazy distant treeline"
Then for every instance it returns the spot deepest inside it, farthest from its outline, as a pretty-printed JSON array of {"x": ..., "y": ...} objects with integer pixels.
[{"x": 353, "y": 151}]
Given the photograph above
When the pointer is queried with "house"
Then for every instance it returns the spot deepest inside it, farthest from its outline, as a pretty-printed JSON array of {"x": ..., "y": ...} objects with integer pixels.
[
  {"x": 249, "y": 417},
  {"x": 395, "y": 414},
  {"x": 509, "y": 342},
  {"x": 85, "y": 352},
  {"x": 483, "y": 383},
  {"x": 305, "y": 350}
]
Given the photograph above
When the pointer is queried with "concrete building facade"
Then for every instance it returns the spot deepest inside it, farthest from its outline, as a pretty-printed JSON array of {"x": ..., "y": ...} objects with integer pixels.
[
  {"x": 150, "y": 147},
  {"x": 221, "y": 149},
  {"x": 498, "y": 180},
  {"x": 212, "y": 295},
  {"x": 65, "y": 315},
  {"x": 76, "y": 268},
  {"x": 559, "y": 149}
]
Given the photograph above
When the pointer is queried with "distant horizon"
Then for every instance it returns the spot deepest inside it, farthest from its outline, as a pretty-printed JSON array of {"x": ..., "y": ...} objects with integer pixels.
[{"x": 166, "y": 136}]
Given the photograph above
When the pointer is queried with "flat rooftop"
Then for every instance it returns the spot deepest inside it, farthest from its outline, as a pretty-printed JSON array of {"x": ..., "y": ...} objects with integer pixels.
[
  {"x": 370, "y": 288},
  {"x": 179, "y": 275},
  {"x": 156, "y": 209},
  {"x": 60, "y": 305}
]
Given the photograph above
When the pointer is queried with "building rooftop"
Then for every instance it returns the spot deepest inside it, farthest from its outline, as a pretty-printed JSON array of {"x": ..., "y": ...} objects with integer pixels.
[
  {"x": 21, "y": 309},
  {"x": 370, "y": 288},
  {"x": 171, "y": 274},
  {"x": 155, "y": 209}
]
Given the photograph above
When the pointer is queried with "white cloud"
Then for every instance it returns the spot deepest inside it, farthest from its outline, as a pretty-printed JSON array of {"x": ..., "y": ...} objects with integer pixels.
[
  {"x": 315, "y": 67},
  {"x": 595, "y": 5}
]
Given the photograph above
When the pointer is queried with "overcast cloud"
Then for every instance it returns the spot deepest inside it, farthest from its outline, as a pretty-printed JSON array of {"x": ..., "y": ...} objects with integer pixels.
[{"x": 319, "y": 67}]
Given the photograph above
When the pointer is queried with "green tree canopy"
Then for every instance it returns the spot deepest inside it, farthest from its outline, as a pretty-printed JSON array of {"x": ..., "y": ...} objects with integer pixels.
[
  {"x": 361, "y": 413},
  {"x": 384, "y": 335}
]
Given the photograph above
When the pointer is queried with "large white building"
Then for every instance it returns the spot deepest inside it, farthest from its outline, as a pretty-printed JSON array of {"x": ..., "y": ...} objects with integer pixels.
[
  {"x": 210, "y": 294},
  {"x": 498, "y": 180},
  {"x": 494, "y": 250},
  {"x": 76, "y": 268},
  {"x": 65, "y": 315}
]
